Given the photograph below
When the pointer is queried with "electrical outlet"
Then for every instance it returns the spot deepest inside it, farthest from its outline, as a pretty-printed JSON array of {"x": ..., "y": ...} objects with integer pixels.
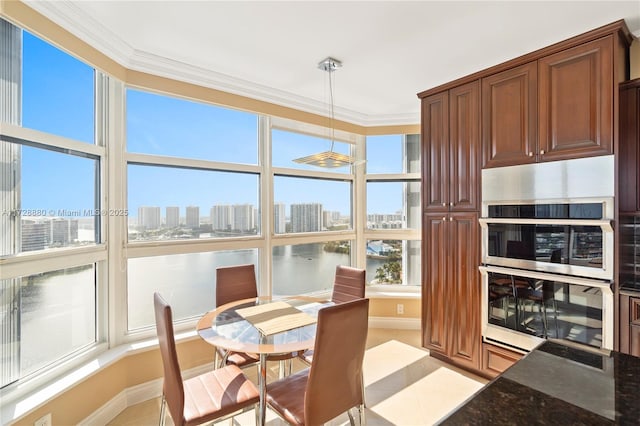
[
  {"x": 400, "y": 309},
  {"x": 43, "y": 421}
]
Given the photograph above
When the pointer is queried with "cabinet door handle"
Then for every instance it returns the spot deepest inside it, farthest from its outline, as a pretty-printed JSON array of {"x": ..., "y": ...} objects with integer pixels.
[
  {"x": 444, "y": 204},
  {"x": 450, "y": 219},
  {"x": 530, "y": 154},
  {"x": 444, "y": 219},
  {"x": 451, "y": 204},
  {"x": 542, "y": 152}
]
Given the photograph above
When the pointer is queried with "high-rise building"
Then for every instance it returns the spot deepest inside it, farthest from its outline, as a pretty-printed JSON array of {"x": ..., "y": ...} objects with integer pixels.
[
  {"x": 33, "y": 235},
  {"x": 149, "y": 217},
  {"x": 172, "y": 217},
  {"x": 243, "y": 217},
  {"x": 306, "y": 217},
  {"x": 221, "y": 217},
  {"x": 279, "y": 219},
  {"x": 63, "y": 231},
  {"x": 193, "y": 217}
]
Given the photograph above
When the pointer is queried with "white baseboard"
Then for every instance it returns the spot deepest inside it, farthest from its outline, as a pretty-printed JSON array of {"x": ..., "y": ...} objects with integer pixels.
[
  {"x": 395, "y": 322},
  {"x": 134, "y": 395}
]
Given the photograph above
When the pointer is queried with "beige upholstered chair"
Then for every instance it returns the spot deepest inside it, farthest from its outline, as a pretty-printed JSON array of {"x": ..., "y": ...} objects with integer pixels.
[
  {"x": 237, "y": 283},
  {"x": 348, "y": 284},
  {"x": 333, "y": 383},
  {"x": 203, "y": 398}
]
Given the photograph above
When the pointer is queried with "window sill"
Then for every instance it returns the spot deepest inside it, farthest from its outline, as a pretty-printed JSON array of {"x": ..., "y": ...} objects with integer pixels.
[
  {"x": 393, "y": 292},
  {"x": 22, "y": 398}
]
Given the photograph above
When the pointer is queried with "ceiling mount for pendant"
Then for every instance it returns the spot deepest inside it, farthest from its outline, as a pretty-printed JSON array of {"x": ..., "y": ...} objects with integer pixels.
[
  {"x": 329, "y": 64},
  {"x": 328, "y": 159}
]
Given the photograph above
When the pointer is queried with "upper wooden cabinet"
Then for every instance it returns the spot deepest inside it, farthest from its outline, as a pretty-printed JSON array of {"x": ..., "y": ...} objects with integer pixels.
[
  {"x": 629, "y": 158},
  {"x": 556, "y": 108},
  {"x": 451, "y": 149},
  {"x": 510, "y": 116},
  {"x": 576, "y": 102}
]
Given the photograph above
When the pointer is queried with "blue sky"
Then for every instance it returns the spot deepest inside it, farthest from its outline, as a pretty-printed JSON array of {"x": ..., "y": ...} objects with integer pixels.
[{"x": 58, "y": 97}]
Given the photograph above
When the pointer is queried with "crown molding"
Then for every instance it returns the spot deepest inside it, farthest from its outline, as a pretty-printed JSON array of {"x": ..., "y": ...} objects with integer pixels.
[
  {"x": 73, "y": 19},
  {"x": 85, "y": 27}
]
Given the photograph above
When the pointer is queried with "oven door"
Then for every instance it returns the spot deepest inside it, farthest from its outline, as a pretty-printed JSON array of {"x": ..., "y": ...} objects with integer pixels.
[
  {"x": 564, "y": 246},
  {"x": 520, "y": 308}
]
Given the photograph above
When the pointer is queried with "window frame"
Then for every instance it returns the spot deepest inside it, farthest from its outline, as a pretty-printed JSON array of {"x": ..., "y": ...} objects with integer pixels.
[
  {"x": 49, "y": 260},
  {"x": 391, "y": 234}
]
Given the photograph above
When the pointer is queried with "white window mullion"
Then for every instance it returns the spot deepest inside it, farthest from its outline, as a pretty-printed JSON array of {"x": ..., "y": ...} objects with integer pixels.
[
  {"x": 116, "y": 200},
  {"x": 267, "y": 205}
]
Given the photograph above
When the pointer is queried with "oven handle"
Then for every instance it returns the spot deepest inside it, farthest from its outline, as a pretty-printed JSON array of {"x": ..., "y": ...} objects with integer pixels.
[
  {"x": 602, "y": 284},
  {"x": 605, "y": 224}
]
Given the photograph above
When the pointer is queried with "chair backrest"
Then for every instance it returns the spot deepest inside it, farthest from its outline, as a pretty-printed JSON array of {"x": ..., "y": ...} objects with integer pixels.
[
  {"x": 172, "y": 386},
  {"x": 335, "y": 376},
  {"x": 348, "y": 285},
  {"x": 235, "y": 283}
]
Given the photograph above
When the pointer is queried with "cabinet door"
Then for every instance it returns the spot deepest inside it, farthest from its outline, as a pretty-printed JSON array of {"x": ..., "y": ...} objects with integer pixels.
[
  {"x": 435, "y": 153},
  {"x": 629, "y": 154},
  {"x": 576, "y": 102},
  {"x": 435, "y": 300},
  {"x": 464, "y": 293},
  {"x": 510, "y": 117},
  {"x": 464, "y": 146}
]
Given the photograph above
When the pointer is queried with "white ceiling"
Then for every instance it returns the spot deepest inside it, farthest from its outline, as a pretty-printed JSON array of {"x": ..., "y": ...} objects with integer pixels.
[{"x": 391, "y": 50}]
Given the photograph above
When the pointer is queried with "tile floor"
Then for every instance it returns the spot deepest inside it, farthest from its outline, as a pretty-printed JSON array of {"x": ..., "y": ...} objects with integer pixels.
[{"x": 404, "y": 386}]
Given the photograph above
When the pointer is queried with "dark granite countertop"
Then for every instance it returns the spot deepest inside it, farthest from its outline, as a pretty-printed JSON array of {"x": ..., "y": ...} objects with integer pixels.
[{"x": 558, "y": 385}]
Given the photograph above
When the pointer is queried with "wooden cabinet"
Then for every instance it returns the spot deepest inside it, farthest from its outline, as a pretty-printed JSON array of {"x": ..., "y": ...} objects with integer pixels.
[
  {"x": 451, "y": 149},
  {"x": 630, "y": 323},
  {"x": 576, "y": 102},
  {"x": 510, "y": 116},
  {"x": 556, "y": 108},
  {"x": 629, "y": 146},
  {"x": 496, "y": 359},
  {"x": 451, "y": 288}
]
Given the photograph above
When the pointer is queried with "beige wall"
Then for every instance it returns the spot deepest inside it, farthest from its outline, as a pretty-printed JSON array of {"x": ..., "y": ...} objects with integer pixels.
[
  {"x": 387, "y": 308},
  {"x": 85, "y": 398}
]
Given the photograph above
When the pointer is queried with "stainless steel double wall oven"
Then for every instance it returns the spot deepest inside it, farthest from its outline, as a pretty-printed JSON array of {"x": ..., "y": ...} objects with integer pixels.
[{"x": 547, "y": 253}]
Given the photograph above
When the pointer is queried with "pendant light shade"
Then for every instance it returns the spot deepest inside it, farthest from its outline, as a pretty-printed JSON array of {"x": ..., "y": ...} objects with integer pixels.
[{"x": 328, "y": 159}]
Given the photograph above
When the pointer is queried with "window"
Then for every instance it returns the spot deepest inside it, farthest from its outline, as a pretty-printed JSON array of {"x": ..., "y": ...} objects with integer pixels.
[
  {"x": 50, "y": 202},
  {"x": 57, "y": 91},
  {"x": 165, "y": 125},
  {"x": 393, "y": 210},
  {"x": 393, "y": 154},
  {"x": 186, "y": 281},
  {"x": 290, "y": 146},
  {"x": 55, "y": 203},
  {"x": 307, "y": 268},
  {"x": 51, "y": 315},
  {"x": 169, "y": 203},
  {"x": 393, "y": 262},
  {"x": 311, "y": 205}
]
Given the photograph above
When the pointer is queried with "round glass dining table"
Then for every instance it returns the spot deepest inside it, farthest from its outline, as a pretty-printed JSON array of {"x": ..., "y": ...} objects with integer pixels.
[{"x": 224, "y": 327}]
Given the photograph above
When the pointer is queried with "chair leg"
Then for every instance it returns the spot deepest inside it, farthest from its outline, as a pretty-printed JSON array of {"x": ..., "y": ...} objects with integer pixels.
[
  {"x": 351, "y": 420},
  {"x": 216, "y": 360},
  {"x": 363, "y": 419},
  {"x": 364, "y": 400},
  {"x": 163, "y": 407}
]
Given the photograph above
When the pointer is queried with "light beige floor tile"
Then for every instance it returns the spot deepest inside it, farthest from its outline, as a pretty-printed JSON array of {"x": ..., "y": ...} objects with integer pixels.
[{"x": 404, "y": 386}]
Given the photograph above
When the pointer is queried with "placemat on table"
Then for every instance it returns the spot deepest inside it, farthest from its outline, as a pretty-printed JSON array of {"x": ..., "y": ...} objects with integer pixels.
[{"x": 275, "y": 317}]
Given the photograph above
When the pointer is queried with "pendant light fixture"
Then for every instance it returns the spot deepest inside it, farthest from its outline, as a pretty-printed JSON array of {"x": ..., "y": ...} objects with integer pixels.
[{"x": 328, "y": 159}]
